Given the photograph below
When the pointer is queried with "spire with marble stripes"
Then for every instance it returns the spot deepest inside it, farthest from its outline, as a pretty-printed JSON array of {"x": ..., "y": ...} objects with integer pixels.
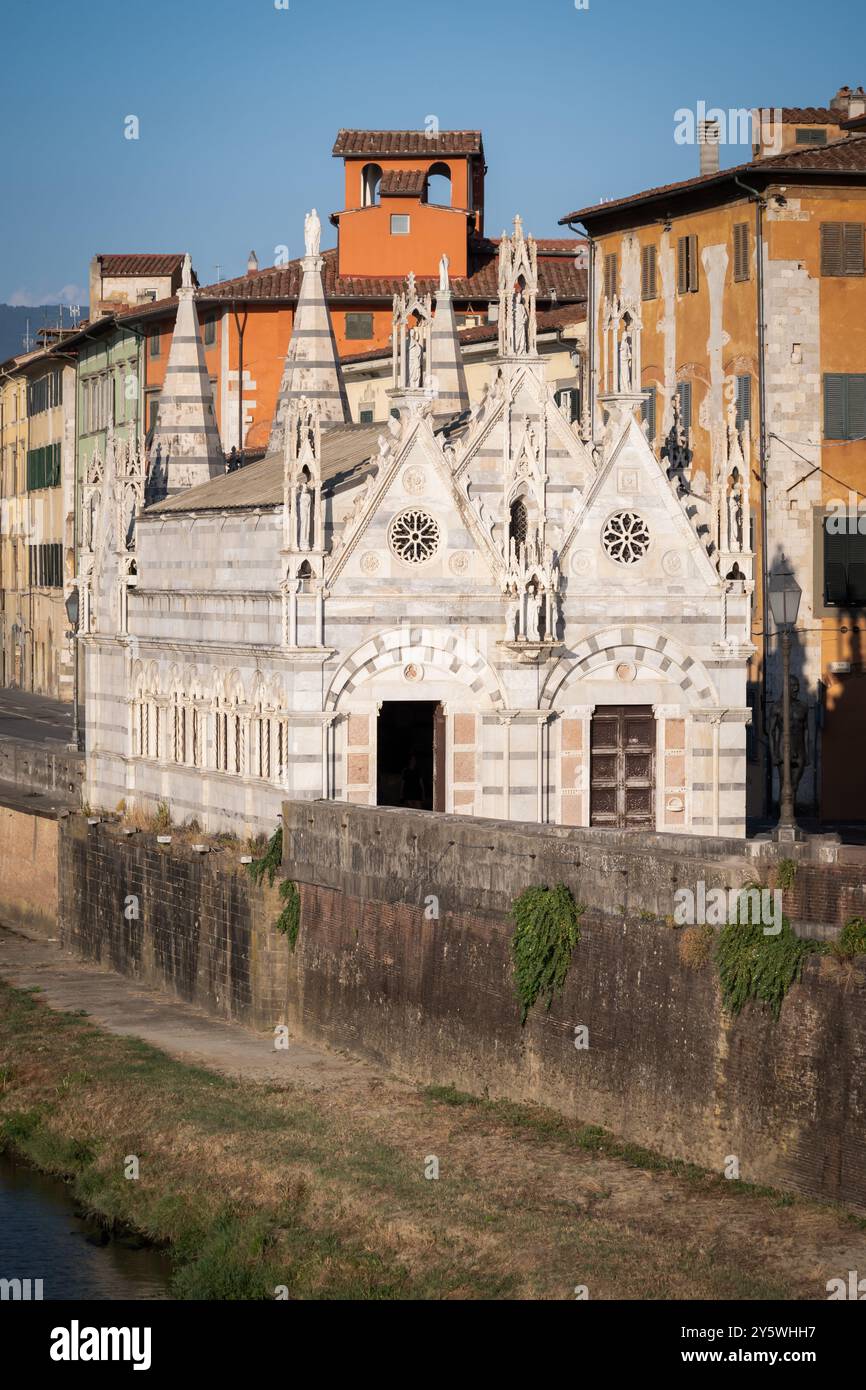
[
  {"x": 312, "y": 367},
  {"x": 448, "y": 372},
  {"x": 185, "y": 449}
]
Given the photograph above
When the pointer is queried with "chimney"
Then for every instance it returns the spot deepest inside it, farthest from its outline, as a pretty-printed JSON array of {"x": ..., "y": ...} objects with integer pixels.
[
  {"x": 840, "y": 101},
  {"x": 856, "y": 104},
  {"x": 252, "y": 262},
  {"x": 708, "y": 139}
]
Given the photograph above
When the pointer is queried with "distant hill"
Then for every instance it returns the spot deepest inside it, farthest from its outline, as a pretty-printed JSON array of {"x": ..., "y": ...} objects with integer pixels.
[{"x": 13, "y": 324}]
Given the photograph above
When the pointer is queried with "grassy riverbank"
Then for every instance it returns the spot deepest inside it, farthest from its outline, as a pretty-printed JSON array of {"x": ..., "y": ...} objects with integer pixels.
[{"x": 254, "y": 1187}]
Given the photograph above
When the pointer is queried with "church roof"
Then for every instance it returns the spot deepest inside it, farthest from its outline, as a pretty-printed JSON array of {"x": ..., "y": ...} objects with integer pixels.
[
  {"x": 394, "y": 143},
  {"x": 345, "y": 448}
]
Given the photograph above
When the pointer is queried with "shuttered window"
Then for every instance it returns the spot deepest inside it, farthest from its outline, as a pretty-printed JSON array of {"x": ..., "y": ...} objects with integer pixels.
[
  {"x": 844, "y": 406},
  {"x": 648, "y": 413},
  {"x": 359, "y": 326},
  {"x": 46, "y": 565},
  {"x": 842, "y": 248},
  {"x": 43, "y": 467},
  {"x": 805, "y": 136},
  {"x": 687, "y": 264},
  {"x": 744, "y": 402},
  {"x": 844, "y": 567},
  {"x": 610, "y": 275},
  {"x": 648, "y": 277},
  {"x": 741, "y": 251},
  {"x": 684, "y": 391}
]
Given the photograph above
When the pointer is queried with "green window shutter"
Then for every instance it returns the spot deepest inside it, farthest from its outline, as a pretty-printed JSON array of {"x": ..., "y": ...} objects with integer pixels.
[
  {"x": 852, "y": 248},
  {"x": 856, "y": 569},
  {"x": 835, "y": 406},
  {"x": 359, "y": 326},
  {"x": 744, "y": 401},
  {"x": 856, "y": 413},
  {"x": 831, "y": 248}
]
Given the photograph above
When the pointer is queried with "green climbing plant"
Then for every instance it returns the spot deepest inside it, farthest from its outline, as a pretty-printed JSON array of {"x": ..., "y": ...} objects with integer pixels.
[
  {"x": 266, "y": 867},
  {"x": 289, "y": 920},
  {"x": 786, "y": 873},
  {"x": 269, "y": 863},
  {"x": 547, "y": 929},
  {"x": 753, "y": 965}
]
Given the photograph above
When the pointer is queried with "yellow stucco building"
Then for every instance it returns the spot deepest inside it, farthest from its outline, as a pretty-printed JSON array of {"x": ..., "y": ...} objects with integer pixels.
[{"x": 750, "y": 287}]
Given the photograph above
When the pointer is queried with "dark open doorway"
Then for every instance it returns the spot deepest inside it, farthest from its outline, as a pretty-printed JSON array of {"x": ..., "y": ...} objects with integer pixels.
[{"x": 409, "y": 771}]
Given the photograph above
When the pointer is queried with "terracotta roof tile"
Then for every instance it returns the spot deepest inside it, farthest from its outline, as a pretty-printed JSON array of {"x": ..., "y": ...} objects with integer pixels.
[
  {"x": 845, "y": 156},
  {"x": 141, "y": 264},
  {"x": 556, "y": 272},
  {"x": 408, "y": 182},
  {"x": 393, "y": 143},
  {"x": 812, "y": 115}
]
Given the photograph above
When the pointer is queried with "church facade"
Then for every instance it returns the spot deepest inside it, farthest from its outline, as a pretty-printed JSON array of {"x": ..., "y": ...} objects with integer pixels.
[{"x": 477, "y": 610}]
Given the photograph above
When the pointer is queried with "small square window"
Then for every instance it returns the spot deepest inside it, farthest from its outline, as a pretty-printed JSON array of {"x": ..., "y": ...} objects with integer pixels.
[
  {"x": 366, "y": 417},
  {"x": 399, "y": 224},
  {"x": 359, "y": 326}
]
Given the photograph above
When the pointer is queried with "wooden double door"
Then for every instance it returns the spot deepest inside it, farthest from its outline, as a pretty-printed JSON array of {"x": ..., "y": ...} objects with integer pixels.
[{"x": 622, "y": 767}]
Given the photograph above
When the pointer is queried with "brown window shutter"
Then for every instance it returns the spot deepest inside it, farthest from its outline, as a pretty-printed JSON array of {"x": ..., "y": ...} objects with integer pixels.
[
  {"x": 682, "y": 264},
  {"x": 741, "y": 251},
  {"x": 831, "y": 248},
  {"x": 610, "y": 275},
  {"x": 693, "y": 262},
  {"x": 648, "y": 278},
  {"x": 852, "y": 248}
]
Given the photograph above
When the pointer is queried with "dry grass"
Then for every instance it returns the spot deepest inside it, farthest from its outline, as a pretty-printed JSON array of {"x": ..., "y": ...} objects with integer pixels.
[
  {"x": 696, "y": 946},
  {"x": 259, "y": 1185}
]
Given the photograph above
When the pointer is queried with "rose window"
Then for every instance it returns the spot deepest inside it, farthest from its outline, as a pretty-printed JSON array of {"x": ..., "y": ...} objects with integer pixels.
[
  {"x": 414, "y": 536},
  {"x": 625, "y": 537}
]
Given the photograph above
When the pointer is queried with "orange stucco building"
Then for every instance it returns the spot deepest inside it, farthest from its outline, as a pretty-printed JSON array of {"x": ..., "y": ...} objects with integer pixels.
[
  {"x": 750, "y": 287},
  {"x": 410, "y": 197}
]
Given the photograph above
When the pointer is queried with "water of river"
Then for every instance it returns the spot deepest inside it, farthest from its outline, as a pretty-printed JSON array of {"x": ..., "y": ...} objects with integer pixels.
[{"x": 43, "y": 1237}]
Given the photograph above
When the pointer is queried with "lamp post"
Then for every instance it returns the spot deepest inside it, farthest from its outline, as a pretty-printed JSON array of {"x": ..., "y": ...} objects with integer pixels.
[
  {"x": 71, "y": 604},
  {"x": 784, "y": 594}
]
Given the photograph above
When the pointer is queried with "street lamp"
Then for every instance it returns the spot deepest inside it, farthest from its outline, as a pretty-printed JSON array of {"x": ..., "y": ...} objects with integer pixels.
[
  {"x": 784, "y": 594},
  {"x": 71, "y": 604}
]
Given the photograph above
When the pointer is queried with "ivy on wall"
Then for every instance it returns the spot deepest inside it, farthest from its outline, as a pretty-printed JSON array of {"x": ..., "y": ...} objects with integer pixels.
[
  {"x": 755, "y": 965},
  {"x": 267, "y": 866},
  {"x": 547, "y": 929}
]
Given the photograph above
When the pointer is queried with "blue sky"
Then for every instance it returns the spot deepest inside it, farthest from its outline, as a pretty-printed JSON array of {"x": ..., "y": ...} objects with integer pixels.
[{"x": 238, "y": 103}]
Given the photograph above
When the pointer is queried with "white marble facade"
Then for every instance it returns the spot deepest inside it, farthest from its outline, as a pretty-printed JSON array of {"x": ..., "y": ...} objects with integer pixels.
[{"x": 500, "y": 567}]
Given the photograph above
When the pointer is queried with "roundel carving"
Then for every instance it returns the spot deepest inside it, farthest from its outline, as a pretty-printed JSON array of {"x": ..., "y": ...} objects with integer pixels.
[{"x": 414, "y": 480}]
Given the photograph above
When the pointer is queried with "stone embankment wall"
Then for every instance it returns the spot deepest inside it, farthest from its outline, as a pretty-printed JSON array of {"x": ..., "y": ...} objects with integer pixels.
[{"x": 404, "y": 957}]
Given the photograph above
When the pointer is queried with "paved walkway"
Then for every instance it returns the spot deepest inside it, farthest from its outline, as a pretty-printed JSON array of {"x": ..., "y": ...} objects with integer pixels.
[
  {"x": 35, "y": 718},
  {"x": 123, "y": 1006}
]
